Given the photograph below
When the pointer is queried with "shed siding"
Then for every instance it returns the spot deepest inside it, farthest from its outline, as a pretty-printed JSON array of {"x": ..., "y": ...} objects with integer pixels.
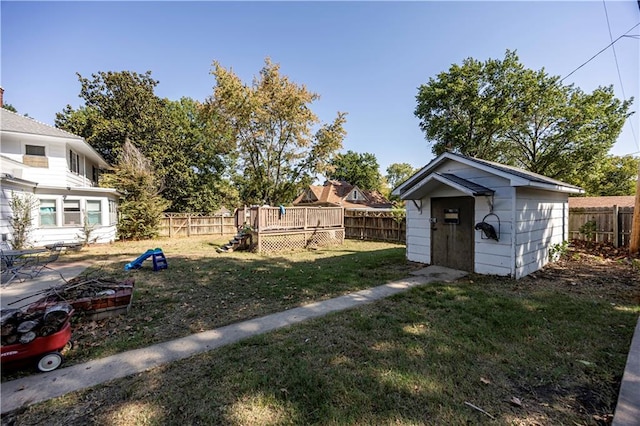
[
  {"x": 494, "y": 257},
  {"x": 541, "y": 222},
  {"x": 419, "y": 232}
]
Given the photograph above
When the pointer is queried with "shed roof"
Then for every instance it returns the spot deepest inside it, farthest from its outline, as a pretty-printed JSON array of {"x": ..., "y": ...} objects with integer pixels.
[{"x": 516, "y": 176}]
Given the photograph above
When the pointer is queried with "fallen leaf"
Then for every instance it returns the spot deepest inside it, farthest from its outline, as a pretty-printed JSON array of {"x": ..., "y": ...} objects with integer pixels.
[
  {"x": 485, "y": 381},
  {"x": 516, "y": 401}
]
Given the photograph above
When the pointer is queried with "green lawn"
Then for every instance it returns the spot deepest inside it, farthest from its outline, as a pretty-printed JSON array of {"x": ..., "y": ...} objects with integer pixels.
[{"x": 415, "y": 358}]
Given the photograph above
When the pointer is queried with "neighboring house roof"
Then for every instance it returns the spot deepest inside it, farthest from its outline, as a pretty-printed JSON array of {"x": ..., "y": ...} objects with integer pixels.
[
  {"x": 337, "y": 193},
  {"x": 10, "y": 122},
  {"x": 517, "y": 177},
  {"x": 620, "y": 201}
]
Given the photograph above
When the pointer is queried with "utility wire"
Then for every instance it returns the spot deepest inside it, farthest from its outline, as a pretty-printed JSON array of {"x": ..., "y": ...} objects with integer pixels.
[
  {"x": 608, "y": 46},
  {"x": 615, "y": 57}
]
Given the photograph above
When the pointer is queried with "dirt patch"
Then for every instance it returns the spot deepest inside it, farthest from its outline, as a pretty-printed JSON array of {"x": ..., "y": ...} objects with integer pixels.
[{"x": 599, "y": 270}]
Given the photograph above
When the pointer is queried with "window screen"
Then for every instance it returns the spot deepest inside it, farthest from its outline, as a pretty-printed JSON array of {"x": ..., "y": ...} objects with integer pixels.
[{"x": 72, "y": 212}]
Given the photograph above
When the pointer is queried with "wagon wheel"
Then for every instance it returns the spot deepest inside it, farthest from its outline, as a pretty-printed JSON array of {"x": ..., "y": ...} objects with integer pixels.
[{"x": 50, "y": 362}]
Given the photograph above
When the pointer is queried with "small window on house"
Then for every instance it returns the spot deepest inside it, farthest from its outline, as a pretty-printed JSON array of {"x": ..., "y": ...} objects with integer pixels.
[
  {"x": 74, "y": 162},
  {"x": 94, "y": 212},
  {"x": 113, "y": 212},
  {"x": 95, "y": 175},
  {"x": 47, "y": 212},
  {"x": 72, "y": 212},
  {"x": 34, "y": 150}
]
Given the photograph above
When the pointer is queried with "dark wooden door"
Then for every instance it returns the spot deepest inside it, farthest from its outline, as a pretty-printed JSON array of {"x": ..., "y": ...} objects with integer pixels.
[{"x": 452, "y": 232}]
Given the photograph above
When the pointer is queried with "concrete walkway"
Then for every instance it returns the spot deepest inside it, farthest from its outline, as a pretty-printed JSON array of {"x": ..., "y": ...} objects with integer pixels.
[
  {"x": 41, "y": 387},
  {"x": 628, "y": 407},
  {"x": 17, "y": 294}
]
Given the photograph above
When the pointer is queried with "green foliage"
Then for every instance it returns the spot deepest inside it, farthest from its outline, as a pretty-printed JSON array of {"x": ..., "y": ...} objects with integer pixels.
[
  {"x": 614, "y": 175},
  {"x": 141, "y": 207},
  {"x": 500, "y": 111},
  {"x": 360, "y": 170},
  {"x": 119, "y": 106},
  {"x": 272, "y": 124},
  {"x": 399, "y": 214},
  {"x": 397, "y": 173},
  {"x": 21, "y": 206},
  {"x": 557, "y": 251},
  {"x": 180, "y": 138},
  {"x": 9, "y": 107},
  {"x": 196, "y": 161},
  {"x": 588, "y": 229}
]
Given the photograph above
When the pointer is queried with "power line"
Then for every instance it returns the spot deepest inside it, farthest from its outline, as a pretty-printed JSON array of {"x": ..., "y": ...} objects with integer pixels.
[
  {"x": 615, "y": 57},
  {"x": 605, "y": 48}
]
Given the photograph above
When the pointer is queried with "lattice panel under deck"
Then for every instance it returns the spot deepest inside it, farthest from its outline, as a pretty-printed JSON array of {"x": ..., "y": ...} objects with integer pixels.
[{"x": 300, "y": 240}]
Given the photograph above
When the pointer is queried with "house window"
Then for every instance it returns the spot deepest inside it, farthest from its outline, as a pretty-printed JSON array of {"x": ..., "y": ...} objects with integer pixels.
[
  {"x": 72, "y": 212},
  {"x": 113, "y": 212},
  {"x": 94, "y": 174},
  {"x": 94, "y": 212},
  {"x": 34, "y": 150},
  {"x": 74, "y": 162},
  {"x": 47, "y": 212}
]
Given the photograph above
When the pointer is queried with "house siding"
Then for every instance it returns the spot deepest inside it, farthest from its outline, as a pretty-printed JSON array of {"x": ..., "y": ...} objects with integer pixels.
[
  {"x": 541, "y": 222},
  {"x": 49, "y": 177}
]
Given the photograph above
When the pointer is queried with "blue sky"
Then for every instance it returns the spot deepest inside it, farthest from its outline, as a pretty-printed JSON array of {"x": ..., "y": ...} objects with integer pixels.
[{"x": 363, "y": 58}]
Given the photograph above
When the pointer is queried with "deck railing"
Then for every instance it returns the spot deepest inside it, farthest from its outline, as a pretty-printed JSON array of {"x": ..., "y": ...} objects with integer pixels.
[{"x": 269, "y": 219}]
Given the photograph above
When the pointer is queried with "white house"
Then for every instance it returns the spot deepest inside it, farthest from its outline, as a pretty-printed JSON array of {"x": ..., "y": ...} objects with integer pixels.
[
  {"x": 60, "y": 170},
  {"x": 484, "y": 217}
]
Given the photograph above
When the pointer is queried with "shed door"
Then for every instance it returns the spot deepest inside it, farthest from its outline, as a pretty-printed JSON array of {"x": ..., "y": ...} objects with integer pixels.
[{"x": 452, "y": 232}]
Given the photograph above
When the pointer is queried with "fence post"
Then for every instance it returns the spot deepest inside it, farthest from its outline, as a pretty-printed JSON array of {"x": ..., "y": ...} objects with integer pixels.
[
  {"x": 616, "y": 226},
  {"x": 170, "y": 226},
  {"x": 189, "y": 225}
]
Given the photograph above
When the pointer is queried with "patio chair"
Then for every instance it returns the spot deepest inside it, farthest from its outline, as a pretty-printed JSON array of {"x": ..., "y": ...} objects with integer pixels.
[
  {"x": 20, "y": 269},
  {"x": 42, "y": 262}
]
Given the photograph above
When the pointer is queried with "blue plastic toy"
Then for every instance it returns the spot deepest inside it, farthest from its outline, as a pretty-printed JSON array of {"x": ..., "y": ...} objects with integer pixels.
[{"x": 159, "y": 260}]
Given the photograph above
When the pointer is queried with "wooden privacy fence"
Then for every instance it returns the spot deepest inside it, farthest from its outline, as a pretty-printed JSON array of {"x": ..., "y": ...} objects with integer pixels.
[
  {"x": 188, "y": 224},
  {"x": 375, "y": 225},
  {"x": 601, "y": 224}
]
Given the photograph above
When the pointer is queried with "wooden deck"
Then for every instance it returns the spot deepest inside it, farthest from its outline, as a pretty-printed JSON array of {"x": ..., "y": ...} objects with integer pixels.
[{"x": 274, "y": 229}]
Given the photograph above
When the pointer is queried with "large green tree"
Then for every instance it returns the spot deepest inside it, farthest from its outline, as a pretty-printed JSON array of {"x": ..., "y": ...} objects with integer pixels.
[
  {"x": 499, "y": 110},
  {"x": 118, "y": 106},
  {"x": 188, "y": 154},
  {"x": 398, "y": 173},
  {"x": 614, "y": 175},
  {"x": 281, "y": 144},
  {"x": 141, "y": 205},
  {"x": 361, "y": 170}
]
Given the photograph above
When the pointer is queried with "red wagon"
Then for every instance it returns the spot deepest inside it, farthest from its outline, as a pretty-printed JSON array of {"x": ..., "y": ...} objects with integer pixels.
[{"x": 43, "y": 351}]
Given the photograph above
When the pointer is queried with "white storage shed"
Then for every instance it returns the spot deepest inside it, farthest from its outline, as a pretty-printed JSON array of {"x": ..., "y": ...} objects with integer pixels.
[{"x": 479, "y": 216}]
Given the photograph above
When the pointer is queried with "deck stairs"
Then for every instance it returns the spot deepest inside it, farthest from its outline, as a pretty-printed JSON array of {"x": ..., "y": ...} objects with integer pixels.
[{"x": 239, "y": 242}]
